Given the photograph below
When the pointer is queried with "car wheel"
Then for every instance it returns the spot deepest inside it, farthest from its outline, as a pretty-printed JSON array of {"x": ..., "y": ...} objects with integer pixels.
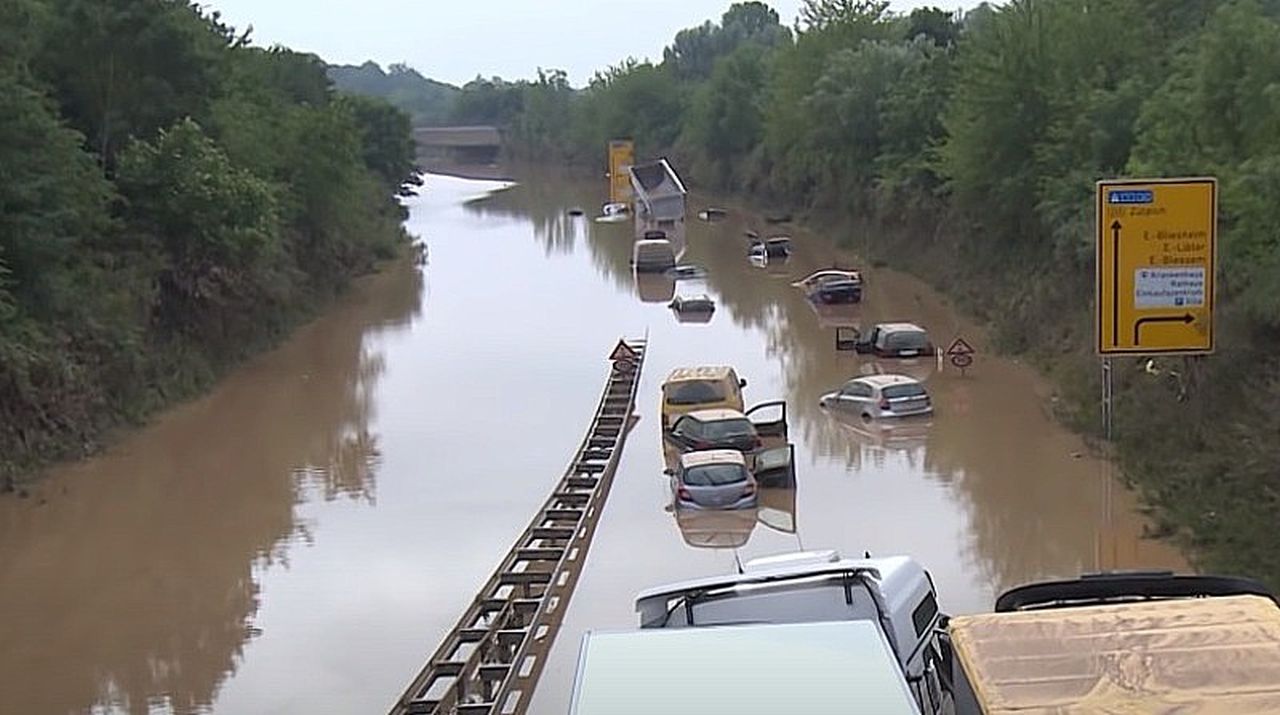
[{"x": 866, "y": 416}]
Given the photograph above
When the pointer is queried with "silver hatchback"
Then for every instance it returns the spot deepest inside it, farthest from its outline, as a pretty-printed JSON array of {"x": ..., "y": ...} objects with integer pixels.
[
  {"x": 879, "y": 396},
  {"x": 714, "y": 479}
]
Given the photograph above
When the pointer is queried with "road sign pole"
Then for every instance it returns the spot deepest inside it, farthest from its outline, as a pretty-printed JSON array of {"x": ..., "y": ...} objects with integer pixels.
[{"x": 1108, "y": 397}]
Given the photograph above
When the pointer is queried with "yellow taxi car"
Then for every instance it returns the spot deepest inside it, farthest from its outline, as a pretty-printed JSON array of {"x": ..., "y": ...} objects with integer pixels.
[{"x": 688, "y": 389}]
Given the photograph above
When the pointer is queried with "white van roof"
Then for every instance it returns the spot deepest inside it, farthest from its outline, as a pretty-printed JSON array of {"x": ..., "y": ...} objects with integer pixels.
[{"x": 836, "y": 667}]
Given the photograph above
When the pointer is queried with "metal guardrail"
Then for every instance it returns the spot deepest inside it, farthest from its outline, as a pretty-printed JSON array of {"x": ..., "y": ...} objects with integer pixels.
[{"x": 490, "y": 661}]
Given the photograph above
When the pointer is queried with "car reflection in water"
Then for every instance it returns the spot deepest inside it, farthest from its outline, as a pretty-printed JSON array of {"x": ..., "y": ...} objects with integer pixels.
[
  {"x": 731, "y": 529},
  {"x": 696, "y": 308},
  {"x": 903, "y": 433},
  {"x": 655, "y": 287},
  {"x": 921, "y": 368}
]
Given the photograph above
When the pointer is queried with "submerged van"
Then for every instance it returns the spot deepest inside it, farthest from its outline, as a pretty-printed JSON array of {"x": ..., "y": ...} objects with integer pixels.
[
  {"x": 688, "y": 389},
  {"x": 653, "y": 255}
]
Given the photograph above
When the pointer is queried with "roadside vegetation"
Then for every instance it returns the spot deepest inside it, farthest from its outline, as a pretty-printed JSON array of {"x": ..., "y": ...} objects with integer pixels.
[
  {"x": 172, "y": 199},
  {"x": 965, "y": 148}
]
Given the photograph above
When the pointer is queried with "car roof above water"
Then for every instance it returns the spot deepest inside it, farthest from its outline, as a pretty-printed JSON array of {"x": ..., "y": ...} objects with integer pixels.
[
  {"x": 903, "y": 327},
  {"x": 886, "y": 380},
  {"x": 712, "y": 456}
]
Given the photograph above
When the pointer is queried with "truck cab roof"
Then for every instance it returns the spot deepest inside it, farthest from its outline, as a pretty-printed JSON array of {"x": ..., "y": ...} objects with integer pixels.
[{"x": 840, "y": 667}]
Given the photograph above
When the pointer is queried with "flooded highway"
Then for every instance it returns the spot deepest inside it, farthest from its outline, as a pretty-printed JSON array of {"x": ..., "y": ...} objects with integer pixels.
[{"x": 300, "y": 539}]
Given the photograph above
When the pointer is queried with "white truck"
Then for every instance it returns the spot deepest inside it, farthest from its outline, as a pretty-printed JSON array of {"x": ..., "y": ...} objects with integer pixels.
[
  {"x": 862, "y": 617},
  {"x": 812, "y": 632}
]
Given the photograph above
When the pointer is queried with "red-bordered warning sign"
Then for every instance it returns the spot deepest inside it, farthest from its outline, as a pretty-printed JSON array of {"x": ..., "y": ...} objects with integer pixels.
[
  {"x": 624, "y": 352},
  {"x": 961, "y": 353},
  {"x": 960, "y": 347}
]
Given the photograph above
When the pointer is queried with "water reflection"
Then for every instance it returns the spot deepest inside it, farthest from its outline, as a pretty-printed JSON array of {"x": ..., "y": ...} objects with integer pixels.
[
  {"x": 655, "y": 287},
  {"x": 726, "y": 529},
  {"x": 129, "y": 583},
  {"x": 732, "y": 528}
]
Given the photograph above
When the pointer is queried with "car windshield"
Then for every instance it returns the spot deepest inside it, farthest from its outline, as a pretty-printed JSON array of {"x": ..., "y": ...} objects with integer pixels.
[
  {"x": 729, "y": 429},
  {"x": 714, "y": 475},
  {"x": 906, "y": 340},
  {"x": 908, "y": 390},
  {"x": 694, "y": 392}
]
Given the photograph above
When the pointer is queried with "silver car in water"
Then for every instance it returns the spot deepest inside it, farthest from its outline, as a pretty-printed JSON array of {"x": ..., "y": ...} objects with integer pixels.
[
  {"x": 714, "y": 479},
  {"x": 880, "y": 396}
]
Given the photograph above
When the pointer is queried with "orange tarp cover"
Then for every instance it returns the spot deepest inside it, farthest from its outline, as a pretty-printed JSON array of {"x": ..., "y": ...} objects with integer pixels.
[{"x": 1190, "y": 657}]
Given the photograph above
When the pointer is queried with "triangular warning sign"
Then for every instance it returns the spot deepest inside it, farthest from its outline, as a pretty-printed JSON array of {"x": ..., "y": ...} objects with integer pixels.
[
  {"x": 623, "y": 352},
  {"x": 960, "y": 347}
]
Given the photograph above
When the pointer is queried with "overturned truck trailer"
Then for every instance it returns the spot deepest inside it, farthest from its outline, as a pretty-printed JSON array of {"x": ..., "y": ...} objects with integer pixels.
[{"x": 660, "y": 198}]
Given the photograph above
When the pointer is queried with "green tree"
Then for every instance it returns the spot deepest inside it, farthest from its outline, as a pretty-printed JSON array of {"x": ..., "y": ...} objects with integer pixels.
[
  {"x": 725, "y": 120},
  {"x": 387, "y": 137},
  {"x": 693, "y": 54},
  {"x": 124, "y": 68},
  {"x": 215, "y": 224}
]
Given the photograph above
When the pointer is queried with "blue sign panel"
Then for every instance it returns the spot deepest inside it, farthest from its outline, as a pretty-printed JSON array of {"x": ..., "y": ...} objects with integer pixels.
[{"x": 1131, "y": 196}]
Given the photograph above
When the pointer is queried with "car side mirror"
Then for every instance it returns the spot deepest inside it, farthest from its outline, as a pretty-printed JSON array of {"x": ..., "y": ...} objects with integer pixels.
[{"x": 742, "y": 382}]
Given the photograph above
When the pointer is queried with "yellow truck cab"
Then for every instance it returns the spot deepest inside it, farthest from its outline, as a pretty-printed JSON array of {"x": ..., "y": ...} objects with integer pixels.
[{"x": 688, "y": 389}]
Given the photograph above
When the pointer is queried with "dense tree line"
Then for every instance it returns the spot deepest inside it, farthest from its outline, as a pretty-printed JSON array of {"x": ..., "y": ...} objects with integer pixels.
[
  {"x": 966, "y": 147},
  {"x": 171, "y": 198}
]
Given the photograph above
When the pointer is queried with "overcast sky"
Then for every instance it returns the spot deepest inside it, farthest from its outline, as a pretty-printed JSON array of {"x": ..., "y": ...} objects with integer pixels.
[{"x": 455, "y": 40}]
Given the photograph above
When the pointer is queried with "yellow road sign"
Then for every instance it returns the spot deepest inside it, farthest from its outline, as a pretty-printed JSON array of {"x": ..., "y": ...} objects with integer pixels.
[
  {"x": 621, "y": 156},
  {"x": 1157, "y": 245}
]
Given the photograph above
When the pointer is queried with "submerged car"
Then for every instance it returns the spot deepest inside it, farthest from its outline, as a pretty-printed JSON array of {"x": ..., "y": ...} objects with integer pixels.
[
  {"x": 832, "y": 286},
  {"x": 880, "y": 396},
  {"x": 895, "y": 340},
  {"x": 839, "y": 291},
  {"x": 772, "y": 247},
  {"x": 688, "y": 271},
  {"x": 714, "y": 429},
  {"x": 760, "y": 433},
  {"x": 700, "y": 303},
  {"x": 687, "y": 389},
  {"x": 713, "y": 479}
]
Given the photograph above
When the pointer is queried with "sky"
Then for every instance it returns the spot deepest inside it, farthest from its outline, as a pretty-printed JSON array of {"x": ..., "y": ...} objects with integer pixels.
[{"x": 456, "y": 40}]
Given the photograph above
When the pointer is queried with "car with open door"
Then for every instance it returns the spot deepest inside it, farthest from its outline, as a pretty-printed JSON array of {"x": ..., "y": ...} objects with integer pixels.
[
  {"x": 895, "y": 340},
  {"x": 757, "y": 431}
]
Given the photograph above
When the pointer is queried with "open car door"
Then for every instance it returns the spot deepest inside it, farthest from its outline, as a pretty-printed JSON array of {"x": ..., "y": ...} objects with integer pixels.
[
  {"x": 770, "y": 420},
  {"x": 774, "y": 466}
]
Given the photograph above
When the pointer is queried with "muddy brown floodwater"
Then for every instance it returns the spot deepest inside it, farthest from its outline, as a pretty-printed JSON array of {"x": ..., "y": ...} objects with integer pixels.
[{"x": 301, "y": 538}]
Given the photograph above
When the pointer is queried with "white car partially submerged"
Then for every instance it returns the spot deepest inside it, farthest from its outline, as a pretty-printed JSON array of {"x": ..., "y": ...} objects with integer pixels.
[{"x": 880, "y": 396}]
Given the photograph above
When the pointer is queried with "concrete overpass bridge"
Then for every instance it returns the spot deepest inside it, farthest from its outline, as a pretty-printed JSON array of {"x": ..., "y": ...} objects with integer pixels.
[{"x": 457, "y": 145}]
